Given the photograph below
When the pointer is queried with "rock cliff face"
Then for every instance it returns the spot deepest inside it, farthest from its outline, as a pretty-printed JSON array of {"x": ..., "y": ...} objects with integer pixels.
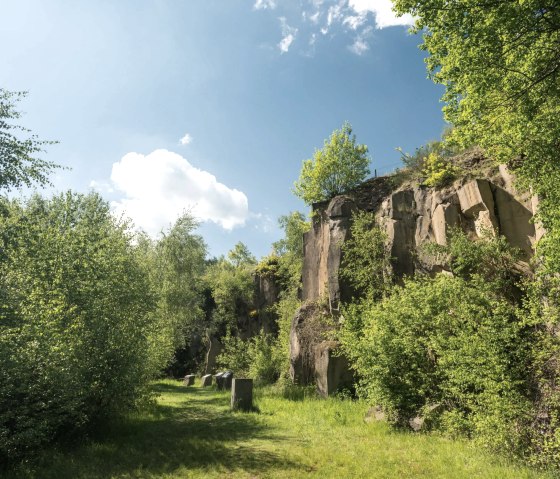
[{"x": 411, "y": 217}]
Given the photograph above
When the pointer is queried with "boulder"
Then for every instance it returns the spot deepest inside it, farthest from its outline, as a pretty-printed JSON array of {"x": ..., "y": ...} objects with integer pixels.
[
  {"x": 477, "y": 203},
  {"x": 322, "y": 252},
  {"x": 445, "y": 217},
  {"x": 375, "y": 413},
  {"x": 515, "y": 220},
  {"x": 332, "y": 372}
]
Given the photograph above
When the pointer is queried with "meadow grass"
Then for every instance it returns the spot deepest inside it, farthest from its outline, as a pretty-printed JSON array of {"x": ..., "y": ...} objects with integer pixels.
[{"x": 191, "y": 433}]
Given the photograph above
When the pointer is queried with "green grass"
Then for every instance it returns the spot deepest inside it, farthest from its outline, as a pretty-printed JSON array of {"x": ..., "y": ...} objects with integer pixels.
[{"x": 192, "y": 433}]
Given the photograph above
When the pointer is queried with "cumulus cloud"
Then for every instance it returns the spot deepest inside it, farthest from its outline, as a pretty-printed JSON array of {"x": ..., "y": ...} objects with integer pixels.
[
  {"x": 382, "y": 9},
  {"x": 186, "y": 139},
  {"x": 288, "y": 35},
  {"x": 158, "y": 187},
  {"x": 264, "y": 4}
]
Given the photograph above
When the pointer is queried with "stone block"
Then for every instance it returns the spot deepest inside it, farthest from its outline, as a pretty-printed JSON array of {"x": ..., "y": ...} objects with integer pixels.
[
  {"x": 206, "y": 380},
  {"x": 242, "y": 394},
  {"x": 218, "y": 380},
  {"x": 189, "y": 380},
  {"x": 227, "y": 378}
]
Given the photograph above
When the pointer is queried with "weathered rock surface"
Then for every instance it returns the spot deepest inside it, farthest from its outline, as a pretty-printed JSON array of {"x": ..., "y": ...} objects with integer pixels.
[
  {"x": 411, "y": 218},
  {"x": 301, "y": 364},
  {"x": 332, "y": 371},
  {"x": 214, "y": 349}
]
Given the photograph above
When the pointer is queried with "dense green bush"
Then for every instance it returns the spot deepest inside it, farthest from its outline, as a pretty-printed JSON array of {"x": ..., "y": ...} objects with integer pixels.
[
  {"x": 366, "y": 259},
  {"x": 451, "y": 343},
  {"x": 76, "y": 318},
  {"x": 256, "y": 357},
  {"x": 438, "y": 171}
]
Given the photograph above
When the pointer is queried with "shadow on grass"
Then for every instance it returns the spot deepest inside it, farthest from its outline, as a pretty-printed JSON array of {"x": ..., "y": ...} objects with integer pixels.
[{"x": 197, "y": 433}]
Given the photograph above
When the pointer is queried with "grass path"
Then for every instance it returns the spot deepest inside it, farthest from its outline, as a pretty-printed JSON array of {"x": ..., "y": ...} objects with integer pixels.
[{"x": 192, "y": 434}]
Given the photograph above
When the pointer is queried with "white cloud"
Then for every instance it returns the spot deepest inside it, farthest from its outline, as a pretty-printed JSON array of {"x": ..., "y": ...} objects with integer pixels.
[
  {"x": 264, "y": 4},
  {"x": 186, "y": 139},
  {"x": 359, "y": 47},
  {"x": 288, "y": 35},
  {"x": 382, "y": 9},
  {"x": 355, "y": 21},
  {"x": 158, "y": 187}
]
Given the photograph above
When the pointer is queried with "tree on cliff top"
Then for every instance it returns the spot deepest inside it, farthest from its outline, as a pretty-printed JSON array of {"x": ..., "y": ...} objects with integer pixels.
[
  {"x": 338, "y": 167},
  {"x": 19, "y": 164}
]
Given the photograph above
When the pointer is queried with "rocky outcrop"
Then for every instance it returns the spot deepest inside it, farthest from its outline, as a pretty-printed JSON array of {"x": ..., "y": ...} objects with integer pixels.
[
  {"x": 332, "y": 371},
  {"x": 411, "y": 217}
]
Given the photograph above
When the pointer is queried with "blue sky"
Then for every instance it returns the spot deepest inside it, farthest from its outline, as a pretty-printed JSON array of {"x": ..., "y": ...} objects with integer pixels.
[{"x": 251, "y": 87}]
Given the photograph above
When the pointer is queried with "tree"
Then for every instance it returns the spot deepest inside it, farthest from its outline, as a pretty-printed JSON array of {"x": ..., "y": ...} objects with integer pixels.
[
  {"x": 241, "y": 256},
  {"x": 500, "y": 64},
  {"x": 19, "y": 164},
  {"x": 179, "y": 267},
  {"x": 340, "y": 166},
  {"x": 76, "y": 319}
]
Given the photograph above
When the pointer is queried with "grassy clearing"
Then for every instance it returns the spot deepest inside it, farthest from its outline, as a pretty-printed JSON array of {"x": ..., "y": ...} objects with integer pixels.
[{"x": 191, "y": 433}]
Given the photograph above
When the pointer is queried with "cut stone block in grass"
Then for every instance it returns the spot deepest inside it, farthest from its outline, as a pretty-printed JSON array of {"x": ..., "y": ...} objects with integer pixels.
[
  {"x": 242, "y": 394},
  {"x": 189, "y": 380},
  {"x": 206, "y": 381},
  {"x": 218, "y": 379},
  {"x": 227, "y": 379}
]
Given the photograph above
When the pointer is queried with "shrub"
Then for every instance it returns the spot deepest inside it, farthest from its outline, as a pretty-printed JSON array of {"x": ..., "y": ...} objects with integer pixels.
[
  {"x": 366, "y": 260},
  {"x": 446, "y": 342},
  {"x": 438, "y": 171},
  {"x": 255, "y": 357}
]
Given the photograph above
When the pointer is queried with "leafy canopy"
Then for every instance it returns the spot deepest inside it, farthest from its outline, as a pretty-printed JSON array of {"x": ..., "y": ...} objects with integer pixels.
[
  {"x": 340, "y": 166},
  {"x": 500, "y": 64},
  {"x": 19, "y": 163}
]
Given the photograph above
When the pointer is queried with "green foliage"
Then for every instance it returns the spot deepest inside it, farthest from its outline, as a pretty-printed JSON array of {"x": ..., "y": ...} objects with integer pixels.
[
  {"x": 191, "y": 432},
  {"x": 438, "y": 171},
  {"x": 232, "y": 286},
  {"x": 289, "y": 249},
  {"x": 366, "y": 260},
  {"x": 181, "y": 255},
  {"x": 499, "y": 64},
  {"x": 340, "y": 166},
  {"x": 285, "y": 309},
  {"x": 255, "y": 358},
  {"x": 19, "y": 163},
  {"x": 176, "y": 265},
  {"x": 241, "y": 256},
  {"x": 451, "y": 343},
  {"x": 491, "y": 258},
  {"x": 76, "y": 319}
]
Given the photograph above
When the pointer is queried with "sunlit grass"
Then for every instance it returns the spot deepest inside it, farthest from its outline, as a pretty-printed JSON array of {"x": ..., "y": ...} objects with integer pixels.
[{"x": 191, "y": 433}]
